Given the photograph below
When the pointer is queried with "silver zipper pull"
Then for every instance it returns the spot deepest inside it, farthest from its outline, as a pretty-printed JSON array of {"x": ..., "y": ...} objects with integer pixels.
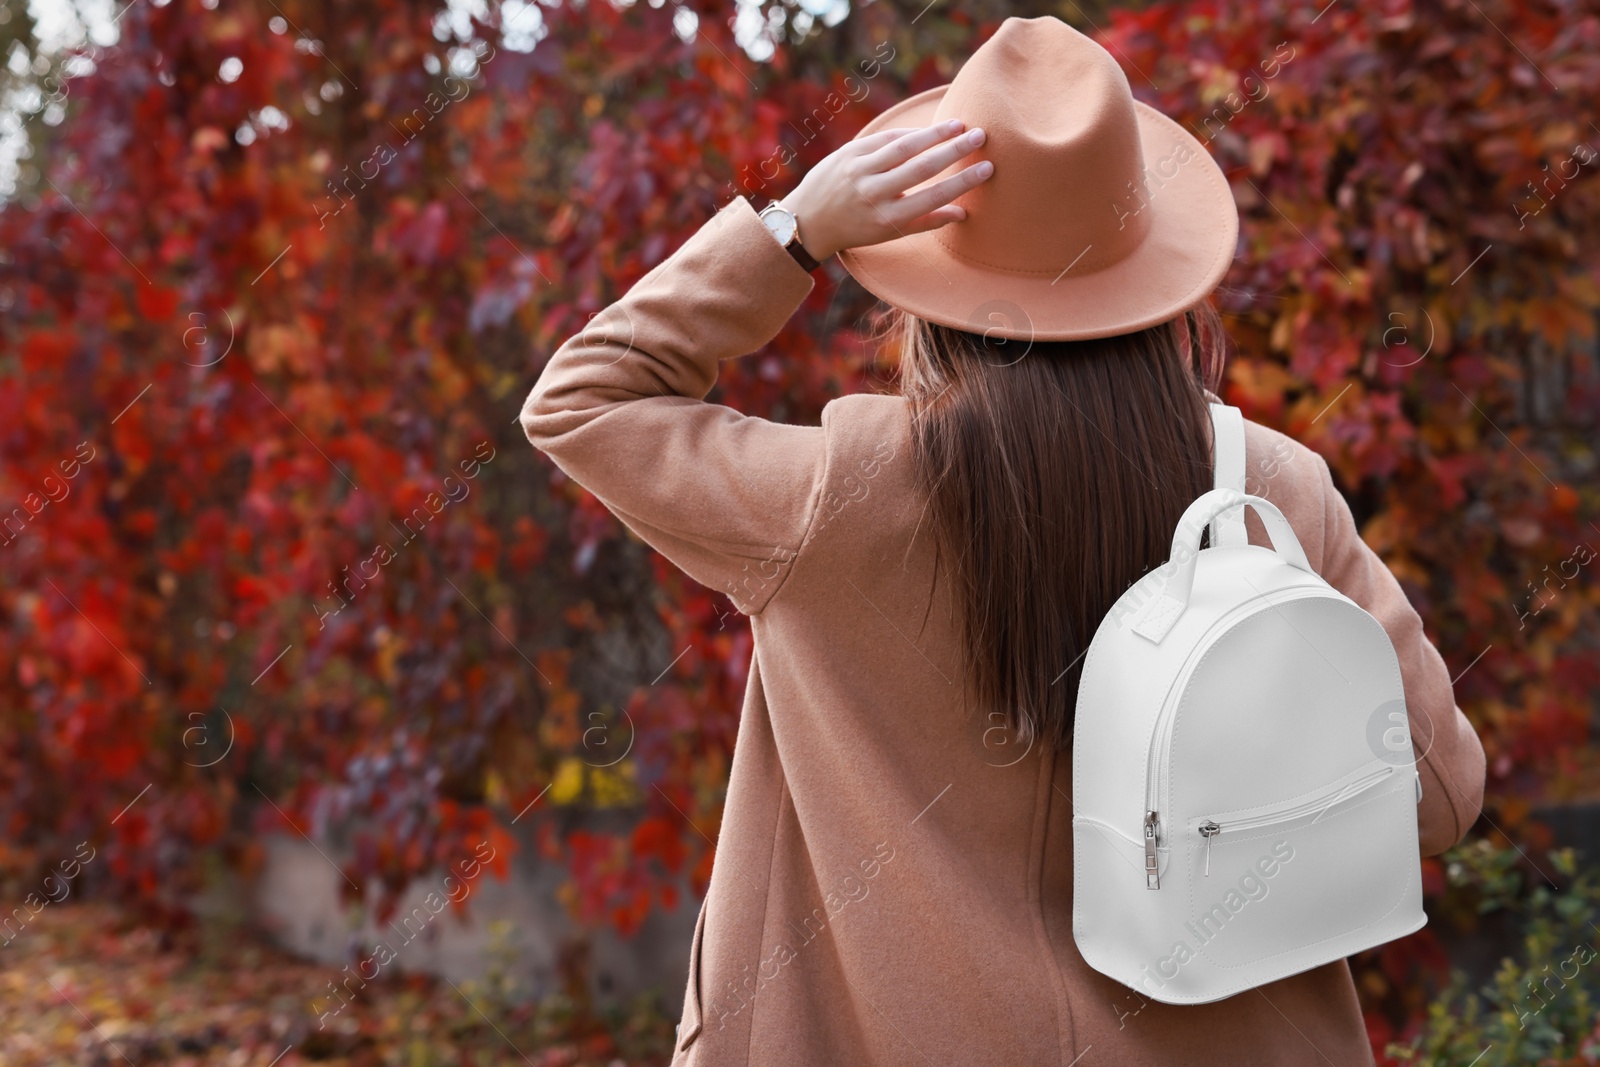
[
  {"x": 1152, "y": 877},
  {"x": 1208, "y": 830}
]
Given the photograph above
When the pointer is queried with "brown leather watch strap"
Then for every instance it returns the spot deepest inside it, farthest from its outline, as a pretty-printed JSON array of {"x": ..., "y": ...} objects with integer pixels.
[{"x": 798, "y": 251}]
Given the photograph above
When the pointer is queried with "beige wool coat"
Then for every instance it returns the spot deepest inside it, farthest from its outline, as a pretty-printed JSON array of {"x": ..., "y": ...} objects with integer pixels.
[{"x": 893, "y": 882}]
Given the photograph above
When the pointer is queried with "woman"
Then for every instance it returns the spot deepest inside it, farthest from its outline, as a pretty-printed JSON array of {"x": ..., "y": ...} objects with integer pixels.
[{"x": 924, "y": 570}]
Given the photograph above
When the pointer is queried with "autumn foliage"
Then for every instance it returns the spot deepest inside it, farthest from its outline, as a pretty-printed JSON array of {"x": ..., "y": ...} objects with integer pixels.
[{"x": 275, "y": 287}]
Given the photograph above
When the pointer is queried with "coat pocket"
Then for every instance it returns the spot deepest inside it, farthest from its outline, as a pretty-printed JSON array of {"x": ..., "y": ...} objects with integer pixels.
[{"x": 693, "y": 1023}]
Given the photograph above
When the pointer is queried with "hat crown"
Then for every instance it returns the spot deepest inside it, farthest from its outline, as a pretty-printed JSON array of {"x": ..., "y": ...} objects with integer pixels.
[{"x": 1064, "y": 137}]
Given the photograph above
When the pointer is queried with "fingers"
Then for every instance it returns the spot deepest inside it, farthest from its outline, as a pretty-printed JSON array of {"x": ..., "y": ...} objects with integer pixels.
[
  {"x": 934, "y": 219},
  {"x": 902, "y": 148},
  {"x": 932, "y": 162},
  {"x": 873, "y": 141},
  {"x": 894, "y": 160},
  {"x": 940, "y": 193}
]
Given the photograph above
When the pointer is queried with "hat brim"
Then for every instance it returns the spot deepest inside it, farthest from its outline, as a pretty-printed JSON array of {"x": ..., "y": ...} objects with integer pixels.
[{"x": 1186, "y": 252}]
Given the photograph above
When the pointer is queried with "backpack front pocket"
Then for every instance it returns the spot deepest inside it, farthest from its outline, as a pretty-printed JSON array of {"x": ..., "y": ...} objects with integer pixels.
[{"x": 1265, "y": 882}]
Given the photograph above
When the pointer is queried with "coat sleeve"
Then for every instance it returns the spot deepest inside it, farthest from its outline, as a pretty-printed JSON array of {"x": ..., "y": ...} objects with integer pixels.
[
  {"x": 1449, "y": 752},
  {"x": 621, "y": 409}
]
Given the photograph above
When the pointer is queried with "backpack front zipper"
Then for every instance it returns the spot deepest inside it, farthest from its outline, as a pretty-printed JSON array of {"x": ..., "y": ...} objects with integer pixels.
[
  {"x": 1319, "y": 804},
  {"x": 1161, "y": 738}
]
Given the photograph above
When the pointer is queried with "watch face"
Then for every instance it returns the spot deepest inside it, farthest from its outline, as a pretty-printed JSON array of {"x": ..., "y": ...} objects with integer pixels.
[{"x": 781, "y": 223}]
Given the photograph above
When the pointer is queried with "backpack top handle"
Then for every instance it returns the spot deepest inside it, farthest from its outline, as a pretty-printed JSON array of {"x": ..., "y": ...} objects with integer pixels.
[{"x": 1160, "y": 613}]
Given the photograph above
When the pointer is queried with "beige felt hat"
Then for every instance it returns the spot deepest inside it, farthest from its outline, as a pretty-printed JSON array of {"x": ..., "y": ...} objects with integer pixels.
[{"x": 1103, "y": 216}]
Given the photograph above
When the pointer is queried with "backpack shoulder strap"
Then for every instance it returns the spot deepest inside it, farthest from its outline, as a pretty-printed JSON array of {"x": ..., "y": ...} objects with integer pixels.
[{"x": 1227, "y": 431}]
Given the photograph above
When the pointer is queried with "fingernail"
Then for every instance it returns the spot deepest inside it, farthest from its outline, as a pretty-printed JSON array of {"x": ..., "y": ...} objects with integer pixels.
[
  {"x": 985, "y": 169},
  {"x": 952, "y": 124},
  {"x": 976, "y": 136}
]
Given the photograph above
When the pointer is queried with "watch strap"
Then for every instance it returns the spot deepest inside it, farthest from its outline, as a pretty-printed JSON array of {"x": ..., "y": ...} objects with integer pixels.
[{"x": 801, "y": 256}]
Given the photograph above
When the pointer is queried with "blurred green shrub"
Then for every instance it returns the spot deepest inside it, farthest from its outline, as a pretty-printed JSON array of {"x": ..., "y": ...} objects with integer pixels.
[{"x": 1539, "y": 1010}]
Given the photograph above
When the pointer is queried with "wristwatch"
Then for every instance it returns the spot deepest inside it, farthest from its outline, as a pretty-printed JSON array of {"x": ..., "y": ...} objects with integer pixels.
[{"x": 786, "y": 228}]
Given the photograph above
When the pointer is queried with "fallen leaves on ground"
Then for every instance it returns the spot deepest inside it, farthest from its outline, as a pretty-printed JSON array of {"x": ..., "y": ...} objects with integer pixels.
[{"x": 84, "y": 985}]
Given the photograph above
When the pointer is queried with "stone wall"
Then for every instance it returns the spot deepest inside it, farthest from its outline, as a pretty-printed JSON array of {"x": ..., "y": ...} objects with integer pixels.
[{"x": 296, "y": 899}]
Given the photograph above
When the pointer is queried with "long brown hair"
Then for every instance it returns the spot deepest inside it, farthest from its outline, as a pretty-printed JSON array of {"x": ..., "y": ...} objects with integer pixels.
[{"x": 1055, "y": 472}]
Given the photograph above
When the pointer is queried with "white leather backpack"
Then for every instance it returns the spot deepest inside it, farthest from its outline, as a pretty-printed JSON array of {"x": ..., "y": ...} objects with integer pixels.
[{"x": 1243, "y": 784}]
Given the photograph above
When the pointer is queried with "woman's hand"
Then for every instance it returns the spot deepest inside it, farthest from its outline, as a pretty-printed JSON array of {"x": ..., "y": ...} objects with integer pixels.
[{"x": 855, "y": 196}]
